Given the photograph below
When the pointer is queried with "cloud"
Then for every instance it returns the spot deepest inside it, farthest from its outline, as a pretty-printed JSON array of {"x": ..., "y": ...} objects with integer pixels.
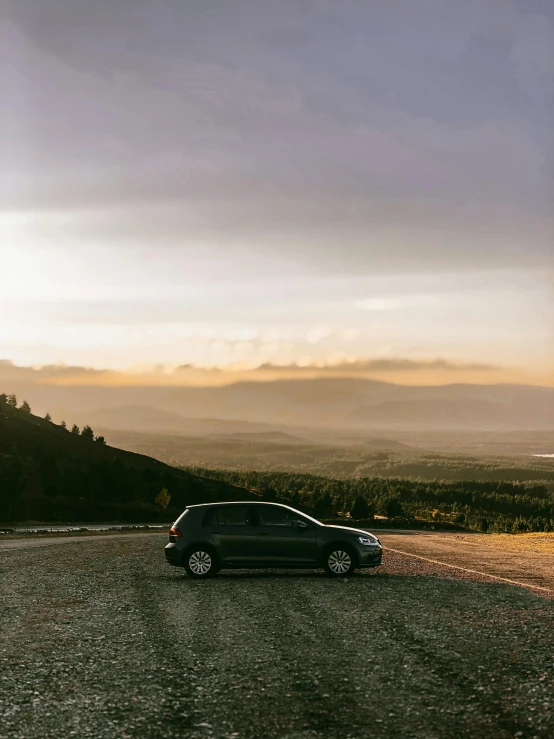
[
  {"x": 47, "y": 373},
  {"x": 247, "y": 164},
  {"x": 282, "y": 127},
  {"x": 397, "y": 370},
  {"x": 386, "y": 304},
  {"x": 385, "y": 365}
]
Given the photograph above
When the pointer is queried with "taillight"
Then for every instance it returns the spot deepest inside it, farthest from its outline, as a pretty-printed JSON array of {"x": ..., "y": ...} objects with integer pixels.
[{"x": 174, "y": 533}]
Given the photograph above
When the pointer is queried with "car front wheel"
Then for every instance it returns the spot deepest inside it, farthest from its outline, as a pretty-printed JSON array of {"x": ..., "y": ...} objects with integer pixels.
[
  {"x": 200, "y": 562},
  {"x": 339, "y": 562}
]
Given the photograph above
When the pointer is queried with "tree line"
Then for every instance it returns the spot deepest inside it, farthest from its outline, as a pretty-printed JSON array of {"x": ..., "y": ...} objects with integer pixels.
[
  {"x": 86, "y": 432},
  {"x": 495, "y": 506}
]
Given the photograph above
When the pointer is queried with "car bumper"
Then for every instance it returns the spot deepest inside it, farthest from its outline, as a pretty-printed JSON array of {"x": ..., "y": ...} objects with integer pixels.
[
  {"x": 370, "y": 558},
  {"x": 172, "y": 555}
]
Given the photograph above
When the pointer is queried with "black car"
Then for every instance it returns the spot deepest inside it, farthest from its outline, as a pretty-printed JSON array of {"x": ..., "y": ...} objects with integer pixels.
[{"x": 209, "y": 537}]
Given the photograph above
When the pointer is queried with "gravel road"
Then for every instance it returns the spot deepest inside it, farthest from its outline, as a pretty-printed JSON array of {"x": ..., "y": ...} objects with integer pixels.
[{"x": 100, "y": 638}]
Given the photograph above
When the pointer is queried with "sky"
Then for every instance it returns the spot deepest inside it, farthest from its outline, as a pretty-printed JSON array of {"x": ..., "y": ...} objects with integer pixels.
[{"x": 246, "y": 183}]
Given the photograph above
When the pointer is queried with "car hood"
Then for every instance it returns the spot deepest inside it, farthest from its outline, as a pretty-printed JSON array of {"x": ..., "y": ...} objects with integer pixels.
[{"x": 349, "y": 529}]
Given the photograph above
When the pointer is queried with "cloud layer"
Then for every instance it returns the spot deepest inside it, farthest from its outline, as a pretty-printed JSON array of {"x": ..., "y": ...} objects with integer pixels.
[{"x": 280, "y": 168}]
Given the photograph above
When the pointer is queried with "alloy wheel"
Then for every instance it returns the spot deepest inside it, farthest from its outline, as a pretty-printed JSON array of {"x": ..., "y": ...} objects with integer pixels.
[
  {"x": 200, "y": 562},
  {"x": 339, "y": 562}
]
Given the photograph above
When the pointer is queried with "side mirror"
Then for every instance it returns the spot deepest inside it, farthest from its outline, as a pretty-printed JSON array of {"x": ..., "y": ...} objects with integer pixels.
[{"x": 302, "y": 525}]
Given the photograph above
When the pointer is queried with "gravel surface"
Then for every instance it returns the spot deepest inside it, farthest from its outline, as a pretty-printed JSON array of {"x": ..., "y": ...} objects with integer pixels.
[
  {"x": 45, "y": 540},
  {"x": 100, "y": 638},
  {"x": 478, "y": 552}
]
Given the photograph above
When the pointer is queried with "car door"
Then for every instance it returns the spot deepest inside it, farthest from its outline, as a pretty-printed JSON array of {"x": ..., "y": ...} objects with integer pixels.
[
  {"x": 284, "y": 538},
  {"x": 233, "y": 531}
]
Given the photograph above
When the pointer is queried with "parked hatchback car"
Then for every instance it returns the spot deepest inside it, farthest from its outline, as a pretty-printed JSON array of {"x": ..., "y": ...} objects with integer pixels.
[{"x": 209, "y": 537}]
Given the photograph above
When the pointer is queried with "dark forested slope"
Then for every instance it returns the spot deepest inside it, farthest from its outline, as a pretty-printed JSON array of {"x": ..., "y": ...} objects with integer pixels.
[{"x": 49, "y": 473}]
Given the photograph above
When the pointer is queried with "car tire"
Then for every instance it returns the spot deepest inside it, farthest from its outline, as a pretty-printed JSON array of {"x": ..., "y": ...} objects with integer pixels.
[
  {"x": 339, "y": 561},
  {"x": 200, "y": 563}
]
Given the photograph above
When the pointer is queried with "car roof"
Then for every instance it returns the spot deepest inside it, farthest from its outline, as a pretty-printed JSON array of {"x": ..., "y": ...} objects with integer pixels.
[{"x": 236, "y": 502}]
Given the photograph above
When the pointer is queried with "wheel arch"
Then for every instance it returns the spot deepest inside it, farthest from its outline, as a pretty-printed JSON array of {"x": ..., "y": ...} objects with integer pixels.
[{"x": 200, "y": 545}]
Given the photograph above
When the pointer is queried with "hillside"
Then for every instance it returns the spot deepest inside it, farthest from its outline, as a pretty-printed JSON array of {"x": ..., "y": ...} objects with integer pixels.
[{"x": 48, "y": 473}]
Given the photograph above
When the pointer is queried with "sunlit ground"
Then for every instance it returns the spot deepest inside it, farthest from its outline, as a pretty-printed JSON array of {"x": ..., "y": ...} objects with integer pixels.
[{"x": 536, "y": 542}]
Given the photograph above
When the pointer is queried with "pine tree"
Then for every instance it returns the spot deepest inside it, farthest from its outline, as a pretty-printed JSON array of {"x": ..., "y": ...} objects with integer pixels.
[
  {"x": 48, "y": 418},
  {"x": 392, "y": 507},
  {"x": 12, "y": 400},
  {"x": 63, "y": 424},
  {"x": 87, "y": 433},
  {"x": 360, "y": 508},
  {"x": 75, "y": 429},
  {"x": 25, "y": 407}
]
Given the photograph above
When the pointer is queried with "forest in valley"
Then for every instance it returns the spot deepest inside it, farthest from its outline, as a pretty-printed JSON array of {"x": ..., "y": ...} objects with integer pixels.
[{"x": 503, "y": 507}]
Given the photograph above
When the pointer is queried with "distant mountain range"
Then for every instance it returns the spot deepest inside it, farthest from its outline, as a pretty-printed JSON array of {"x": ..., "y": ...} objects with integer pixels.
[{"x": 297, "y": 406}]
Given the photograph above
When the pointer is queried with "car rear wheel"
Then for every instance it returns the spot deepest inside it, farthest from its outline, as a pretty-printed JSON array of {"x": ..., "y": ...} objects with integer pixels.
[
  {"x": 339, "y": 562},
  {"x": 200, "y": 563}
]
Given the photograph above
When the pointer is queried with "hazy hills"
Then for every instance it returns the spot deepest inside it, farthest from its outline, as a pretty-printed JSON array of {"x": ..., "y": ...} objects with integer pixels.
[{"x": 338, "y": 405}]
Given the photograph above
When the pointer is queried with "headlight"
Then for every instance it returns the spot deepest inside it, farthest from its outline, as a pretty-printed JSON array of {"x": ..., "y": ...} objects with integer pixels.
[{"x": 367, "y": 540}]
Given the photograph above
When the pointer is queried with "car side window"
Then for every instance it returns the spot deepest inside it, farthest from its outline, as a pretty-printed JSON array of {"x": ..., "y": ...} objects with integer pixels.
[
  {"x": 228, "y": 516},
  {"x": 212, "y": 518},
  {"x": 234, "y": 516},
  {"x": 270, "y": 516}
]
